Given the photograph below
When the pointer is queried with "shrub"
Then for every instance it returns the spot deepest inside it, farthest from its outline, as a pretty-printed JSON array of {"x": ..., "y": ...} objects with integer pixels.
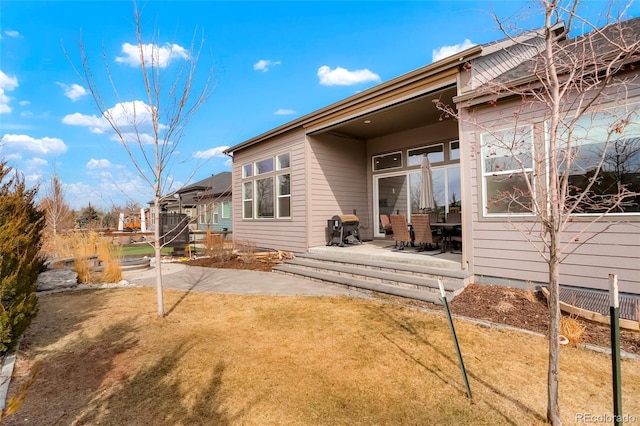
[
  {"x": 572, "y": 329},
  {"x": 21, "y": 226}
]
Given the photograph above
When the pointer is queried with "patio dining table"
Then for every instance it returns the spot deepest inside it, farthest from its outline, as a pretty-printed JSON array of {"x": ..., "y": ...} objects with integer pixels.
[{"x": 447, "y": 228}]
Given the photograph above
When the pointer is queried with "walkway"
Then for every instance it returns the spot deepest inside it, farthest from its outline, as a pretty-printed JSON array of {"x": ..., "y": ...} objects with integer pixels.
[{"x": 233, "y": 281}]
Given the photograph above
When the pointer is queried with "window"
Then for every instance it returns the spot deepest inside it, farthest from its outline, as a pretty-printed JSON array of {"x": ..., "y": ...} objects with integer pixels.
[
  {"x": 208, "y": 214},
  {"x": 435, "y": 154},
  {"x": 507, "y": 156},
  {"x": 247, "y": 170},
  {"x": 264, "y": 198},
  {"x": 609, "y": 139},
  {"x": 454, "y": 150},
  {"x": 387, "y": 161},
  {"x": 247, "y": 200},
  {"x": 267, "y": 194},
  {"x": 226, "y": 209},
  {"x": 264, "y": 166},
  {"x": 284, "y": 196}
]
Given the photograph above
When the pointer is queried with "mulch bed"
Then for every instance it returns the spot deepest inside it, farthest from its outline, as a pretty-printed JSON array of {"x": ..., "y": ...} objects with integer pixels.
[
  {"x": 235, "y": 263},
  {"x": 527, "y": 309}
]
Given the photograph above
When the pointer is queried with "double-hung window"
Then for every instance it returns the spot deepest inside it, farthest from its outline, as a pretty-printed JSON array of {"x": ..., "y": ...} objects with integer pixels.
[
  {"x": 266, "y": 188},
  {"x": 507, "y": 171}
]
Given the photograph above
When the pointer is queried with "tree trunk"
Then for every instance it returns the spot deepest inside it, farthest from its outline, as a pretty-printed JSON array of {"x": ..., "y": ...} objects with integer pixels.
[
  {"x": 158, "y": 249},
  {"x": 553, "y": 403}
]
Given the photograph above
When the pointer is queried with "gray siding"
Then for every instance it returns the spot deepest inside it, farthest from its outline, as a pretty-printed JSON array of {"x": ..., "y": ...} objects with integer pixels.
[
  {"x": 499, "y": 249},
  {"x": 282, "y": 234},
  {"x": 486, "y": 68},
  {"x": 337, "y": 184}
]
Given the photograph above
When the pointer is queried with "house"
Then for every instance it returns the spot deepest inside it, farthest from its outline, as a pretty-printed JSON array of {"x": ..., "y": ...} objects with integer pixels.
[
  {"x": 207, "y": 202},
  {"x": 362, "y": 156}
]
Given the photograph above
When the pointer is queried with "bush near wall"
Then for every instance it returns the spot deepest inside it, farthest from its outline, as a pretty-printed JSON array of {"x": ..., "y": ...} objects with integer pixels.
[{"x": 21, "y": 226}]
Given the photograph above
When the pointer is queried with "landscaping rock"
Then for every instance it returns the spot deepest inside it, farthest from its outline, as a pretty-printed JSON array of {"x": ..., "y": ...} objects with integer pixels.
[{"x": 57, "y": 279}]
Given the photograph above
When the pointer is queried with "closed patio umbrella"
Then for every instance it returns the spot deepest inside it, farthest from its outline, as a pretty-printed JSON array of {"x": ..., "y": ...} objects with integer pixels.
[{"x": 426, "y": 189}]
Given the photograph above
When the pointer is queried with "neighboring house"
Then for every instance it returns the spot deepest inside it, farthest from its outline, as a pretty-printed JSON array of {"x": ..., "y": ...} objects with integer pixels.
[
  {"x": 362, "y": 155},
  {"x": 207, "y": 202}
]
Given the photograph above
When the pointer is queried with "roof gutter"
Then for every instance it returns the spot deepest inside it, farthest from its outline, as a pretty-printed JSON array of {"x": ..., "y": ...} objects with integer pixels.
[{"x": 420, "y": 73}]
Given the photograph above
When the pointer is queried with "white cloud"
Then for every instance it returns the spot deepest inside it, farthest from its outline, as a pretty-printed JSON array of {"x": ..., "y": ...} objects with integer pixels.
[
  {"x": 153, "y": 54},
  {"x": 6, "y": 84},
  {"x": 74, "y": 91},
  {"x": 15, "y": 156},
  {"x": 229, "y": 163},
  {"x": 98, "y": 164},
  {"x": 36, "y": 162},
  {"x": 33, "y": 179},
  {"x": 210, "y": 153},
  {"x": 343, "y": 77},
  {"x": 44, "y": 146},
  {"x": 283, "y": 111},
  {"x": 13, "y": 33},
  {"x": 24, "y": 103},
  {"x": 444, "y": 51},
  {"x": 133, "y": 119},
  {"x": 264, "y": 65}
]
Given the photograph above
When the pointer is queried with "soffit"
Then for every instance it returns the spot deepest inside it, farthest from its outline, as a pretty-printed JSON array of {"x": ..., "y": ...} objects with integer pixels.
[{"x": 416, "y": 112}]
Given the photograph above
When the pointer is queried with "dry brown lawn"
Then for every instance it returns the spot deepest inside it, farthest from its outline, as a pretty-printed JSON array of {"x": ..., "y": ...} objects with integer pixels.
[{"x": 105, "y": 358}]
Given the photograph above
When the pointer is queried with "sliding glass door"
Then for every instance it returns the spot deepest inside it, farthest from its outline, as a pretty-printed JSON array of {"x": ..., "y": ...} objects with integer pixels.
[{"x": 399, "y": 193}]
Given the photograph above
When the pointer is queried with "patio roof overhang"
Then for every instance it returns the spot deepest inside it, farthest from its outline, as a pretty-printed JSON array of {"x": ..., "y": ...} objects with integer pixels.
[{"x": 408, "y": 94}]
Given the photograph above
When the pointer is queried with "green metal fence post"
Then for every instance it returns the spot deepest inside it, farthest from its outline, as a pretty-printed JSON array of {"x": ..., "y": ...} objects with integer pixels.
[
  {"x": 614, "y": 309},
  {"x": 455, "y": 338}
]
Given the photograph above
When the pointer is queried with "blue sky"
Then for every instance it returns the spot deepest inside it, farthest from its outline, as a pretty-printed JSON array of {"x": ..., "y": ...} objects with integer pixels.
[{"x": 272, "y": 62}]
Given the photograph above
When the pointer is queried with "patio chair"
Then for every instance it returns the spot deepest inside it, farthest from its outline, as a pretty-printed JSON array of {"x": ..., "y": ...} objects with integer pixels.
[
  {"x": 400, "y": 230},
  {"x": 386, "y": 224},
  {"x": 422, "y": 231}
]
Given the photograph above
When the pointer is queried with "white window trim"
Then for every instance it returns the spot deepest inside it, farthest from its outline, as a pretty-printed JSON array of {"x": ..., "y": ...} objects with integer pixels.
[
  {"x": 279, "y": 196},
  {"x": 485, "y": 174},
  {"x": 228, "y": 203},
  {"x": 277, "y": 171}
]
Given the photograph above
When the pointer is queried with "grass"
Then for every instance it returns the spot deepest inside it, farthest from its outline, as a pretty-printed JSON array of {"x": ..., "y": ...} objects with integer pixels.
[
  {"x": 143, "y": 250},
  {"x": 106, "y": 358}
]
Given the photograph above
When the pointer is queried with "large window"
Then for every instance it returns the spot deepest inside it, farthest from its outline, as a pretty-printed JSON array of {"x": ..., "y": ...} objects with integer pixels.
[
  {"x": 507, "y": 162},
  {"x": 266, "y": 193},
  {"x": 605, "y": 145}
]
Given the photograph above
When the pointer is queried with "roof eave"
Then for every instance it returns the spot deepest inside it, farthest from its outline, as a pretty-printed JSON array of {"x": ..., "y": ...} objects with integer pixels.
[{"x": 427, "y": 70}]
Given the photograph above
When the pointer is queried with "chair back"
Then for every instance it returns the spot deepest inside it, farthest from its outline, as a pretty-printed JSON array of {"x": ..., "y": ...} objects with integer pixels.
[
  {"x": 433, "y": 217},
  {"x": 454, "y": 218},
  {"x": 400, "y": 228},
  {"x": 386, "y": 224},
  {"x": 422, "y": 228}
]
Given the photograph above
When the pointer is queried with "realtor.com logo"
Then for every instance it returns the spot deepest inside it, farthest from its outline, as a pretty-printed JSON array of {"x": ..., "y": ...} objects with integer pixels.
[{"x": 605, "y": 418}]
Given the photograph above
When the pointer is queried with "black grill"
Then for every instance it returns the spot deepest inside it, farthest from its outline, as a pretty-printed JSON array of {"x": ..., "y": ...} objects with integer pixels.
[{"x": 340, "y": 227}]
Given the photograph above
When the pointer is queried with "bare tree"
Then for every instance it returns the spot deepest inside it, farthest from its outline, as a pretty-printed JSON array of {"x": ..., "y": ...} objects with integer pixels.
[
  {"x": 57, "y": 212},
  {"x": 150, "y": 131},
  {"x": 566, "y": 144}
]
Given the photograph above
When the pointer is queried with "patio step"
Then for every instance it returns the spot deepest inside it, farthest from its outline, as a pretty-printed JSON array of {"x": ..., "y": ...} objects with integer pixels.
[{"x": 406, "y": 280}]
